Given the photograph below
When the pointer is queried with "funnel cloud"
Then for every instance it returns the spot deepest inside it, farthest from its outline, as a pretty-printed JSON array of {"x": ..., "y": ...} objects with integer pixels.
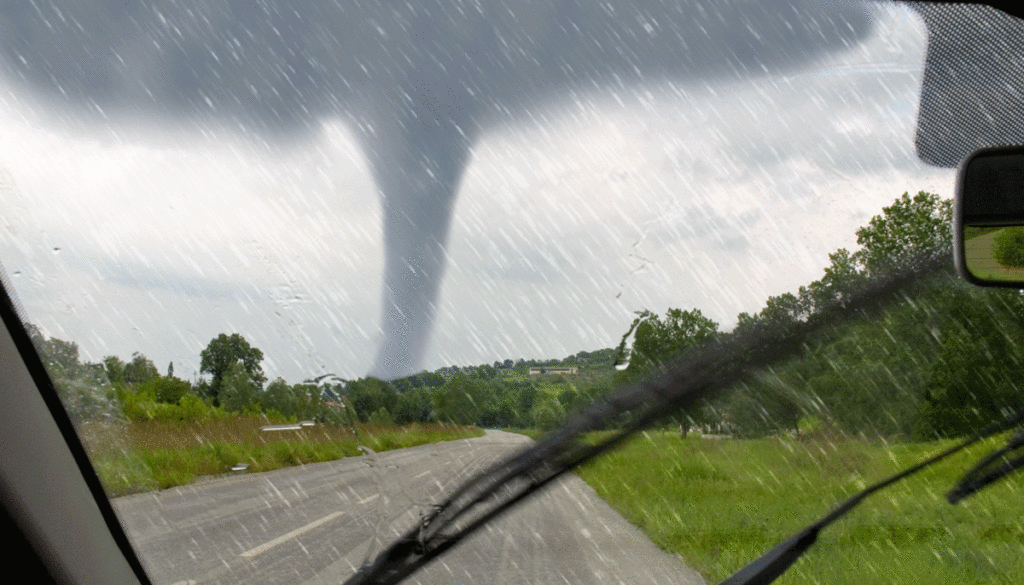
[{"x": 417, "y": 82}]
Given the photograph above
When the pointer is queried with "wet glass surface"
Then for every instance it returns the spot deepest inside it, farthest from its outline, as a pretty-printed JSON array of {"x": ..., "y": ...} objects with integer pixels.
[{"x": 450, "y": 197}]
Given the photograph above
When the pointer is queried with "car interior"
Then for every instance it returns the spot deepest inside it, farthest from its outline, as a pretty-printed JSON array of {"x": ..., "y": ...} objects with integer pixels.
[{"x": 58, "y": 525}]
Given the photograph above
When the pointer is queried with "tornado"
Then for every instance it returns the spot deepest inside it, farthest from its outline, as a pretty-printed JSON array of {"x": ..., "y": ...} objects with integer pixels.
[
  {"x": 419, "y": 82},
  {"x": 417, "y": 157}
]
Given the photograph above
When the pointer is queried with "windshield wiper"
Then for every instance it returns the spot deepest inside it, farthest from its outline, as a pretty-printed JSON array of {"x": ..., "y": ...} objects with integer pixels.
[
  {"x": 991, "y": 468},
  {"x": 702, "y": 374}
]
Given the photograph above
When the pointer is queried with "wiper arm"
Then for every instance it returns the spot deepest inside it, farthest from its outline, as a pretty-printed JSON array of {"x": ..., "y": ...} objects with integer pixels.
[
  {"x": 775, "y": 562},
  {"x": 696, "y": 376},
  {"x": 993, "y": 467}
]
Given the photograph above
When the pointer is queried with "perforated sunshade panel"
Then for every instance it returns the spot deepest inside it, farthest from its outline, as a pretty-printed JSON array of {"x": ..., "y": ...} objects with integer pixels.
[{"x": 973, "y": 90}]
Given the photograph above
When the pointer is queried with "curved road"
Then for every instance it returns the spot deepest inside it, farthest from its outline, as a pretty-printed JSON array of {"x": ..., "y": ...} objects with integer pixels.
[{"x": 314, "y": 525}]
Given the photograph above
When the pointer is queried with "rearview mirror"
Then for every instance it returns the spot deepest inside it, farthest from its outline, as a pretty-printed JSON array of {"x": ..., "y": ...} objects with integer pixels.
[{"x": 989, "y": 217}]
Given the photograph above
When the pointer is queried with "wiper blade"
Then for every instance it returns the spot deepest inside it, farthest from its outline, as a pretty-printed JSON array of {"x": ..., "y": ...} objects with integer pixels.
[
  {"x": 694, "y": 377},
  {"x": 993, "y": 467}
]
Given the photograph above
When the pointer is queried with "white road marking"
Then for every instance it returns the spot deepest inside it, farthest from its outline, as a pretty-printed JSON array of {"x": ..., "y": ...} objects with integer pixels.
[
  {"x": 368, "y": 499},
  {"x": 271, "y": 544},
  {"x": 419, "y": 475}
]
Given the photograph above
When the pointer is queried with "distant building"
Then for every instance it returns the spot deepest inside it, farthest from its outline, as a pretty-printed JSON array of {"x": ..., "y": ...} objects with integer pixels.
[{"x": 552, "y": 370}]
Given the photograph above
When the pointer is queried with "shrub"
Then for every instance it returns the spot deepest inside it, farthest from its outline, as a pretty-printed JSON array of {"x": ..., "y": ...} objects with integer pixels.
[
  {"x": 140, "y": 407},
  {"x": 547, "y": 413},
  {"x": 1008, "y": 247},
  {"x": 137, "y": 407},
  {"x": 166, "y": 390},
  {"x": 381, "y": 417},
  {"x": 191, "y": 408}
]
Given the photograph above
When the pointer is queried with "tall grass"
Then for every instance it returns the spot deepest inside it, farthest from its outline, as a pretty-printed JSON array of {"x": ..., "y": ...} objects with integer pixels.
[
  {"x": 719, "y": 504},
  {"x": 132, "y": 457}
]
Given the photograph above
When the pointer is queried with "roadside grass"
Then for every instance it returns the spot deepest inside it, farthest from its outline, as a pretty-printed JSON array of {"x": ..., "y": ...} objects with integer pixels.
[
  {"x": 133, "y": 457},
  {"x": 719, "y": 504}
]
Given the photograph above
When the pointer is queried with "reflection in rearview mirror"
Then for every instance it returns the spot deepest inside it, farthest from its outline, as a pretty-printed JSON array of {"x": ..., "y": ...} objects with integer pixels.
[
  {"x": 989, "y": 217},
  {"x": 994, "y": 253}
]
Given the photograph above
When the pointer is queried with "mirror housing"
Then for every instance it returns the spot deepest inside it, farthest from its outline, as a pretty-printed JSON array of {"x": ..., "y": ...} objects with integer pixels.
[{"x": 988, "y": 217}]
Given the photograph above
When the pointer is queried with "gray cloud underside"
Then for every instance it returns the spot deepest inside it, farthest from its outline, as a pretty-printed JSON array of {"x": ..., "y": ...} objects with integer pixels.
[{"x": 419, "y": 82}]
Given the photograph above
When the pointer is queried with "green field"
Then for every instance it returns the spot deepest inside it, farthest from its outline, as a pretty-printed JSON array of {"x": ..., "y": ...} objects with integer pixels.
[
  {"x": 720, "y": 503},
  {"x": 132, "y": 457}
]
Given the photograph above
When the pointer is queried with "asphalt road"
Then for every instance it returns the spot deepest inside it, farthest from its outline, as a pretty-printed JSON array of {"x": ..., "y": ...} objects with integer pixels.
[{"x": 315, "y": 524}]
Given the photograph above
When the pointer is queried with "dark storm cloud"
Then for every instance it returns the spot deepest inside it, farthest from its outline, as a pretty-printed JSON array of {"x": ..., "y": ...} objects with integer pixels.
[{"x": 418, "y": 82}]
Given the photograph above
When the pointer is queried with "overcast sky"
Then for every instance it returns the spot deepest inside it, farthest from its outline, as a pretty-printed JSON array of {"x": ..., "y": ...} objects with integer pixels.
[{"x": 712, "y": 195}]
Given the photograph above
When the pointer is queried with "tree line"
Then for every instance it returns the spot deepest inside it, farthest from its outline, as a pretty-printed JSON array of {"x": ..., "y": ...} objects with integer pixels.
[
  {"x": 941, "y": 362},
  {"x": 501, "y": 394}
]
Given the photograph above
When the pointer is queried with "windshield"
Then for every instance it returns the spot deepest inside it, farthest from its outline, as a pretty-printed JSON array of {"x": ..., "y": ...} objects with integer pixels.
[{"x": 265, "y": 250}]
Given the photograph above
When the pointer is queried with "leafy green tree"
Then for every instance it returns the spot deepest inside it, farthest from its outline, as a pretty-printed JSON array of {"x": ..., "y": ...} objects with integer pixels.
[
  {"x": 570, "y": 399},
  {"x": 311, "y": 400},
  {"x": 413, "y": 406},
  {"x": 486, "y": 372},
  {"x": 866, "y": 374},
  {"x": 368, "y": 395},
  {"x": 61, "y": 357},
  {"x": 842, "y": 277},
  {"x": 281, "y": 397},
  {"x": 548, "y": 413},
  {"x": 223, "y": 352},
  {"x": 83, "y": 387},
  {"x": 765, "y": 405},
  {"x": 910, "y": 231},
  {"x": 239, "y": 389},
  {"x": 657, "y": 341},
  {"x": 139, "y": 370},
  {"x": 460, "y": 400},
  {"x": 114, "y": 368},
  {"x": 513, "y": 400},
  {"x": 974, "y": 380}
]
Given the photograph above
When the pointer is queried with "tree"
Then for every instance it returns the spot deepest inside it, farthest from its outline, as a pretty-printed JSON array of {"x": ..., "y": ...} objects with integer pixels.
[
  {"x": 909, "y": 232},
  {"x": 311, "y": 400},
  {"x": 114, "y": 367},
  {"x": 239, "y": 389},
  {"x": 281, "y": 397},
  {"x": 139, "y": 370},
  {"x": 368, "y": 395},
  {"x": 841, "y": 278},
  {"x": 460, "y": 400},
  {"x": 225, "y": 351},
  {"x": 657, "y": 341},
  {"x": 413, "y": 406},
  {"x": 61, "y": 357},
  {"x": 547, "y": 413},
  {"x": 763, "y": 405},
  {"x": 974, "y": 380}
]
